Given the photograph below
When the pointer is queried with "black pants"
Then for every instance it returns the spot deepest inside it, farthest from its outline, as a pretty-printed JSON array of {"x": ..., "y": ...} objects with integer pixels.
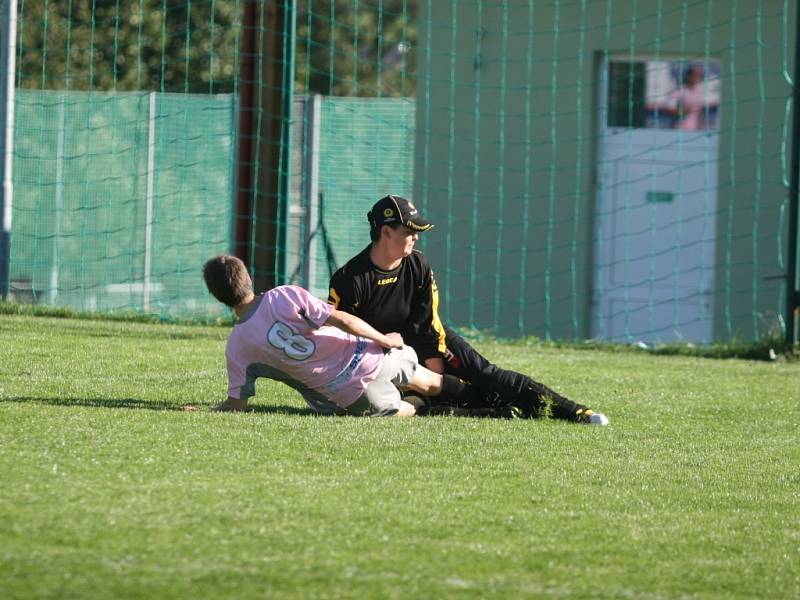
[{"x": 502, "y": 387}]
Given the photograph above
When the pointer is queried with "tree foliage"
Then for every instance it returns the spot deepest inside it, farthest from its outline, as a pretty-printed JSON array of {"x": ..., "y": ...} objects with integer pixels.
[
  {"x": 342, "y": 47},
  {"x": 128, "y": 45},
  {"x": 356, "y": 48}
]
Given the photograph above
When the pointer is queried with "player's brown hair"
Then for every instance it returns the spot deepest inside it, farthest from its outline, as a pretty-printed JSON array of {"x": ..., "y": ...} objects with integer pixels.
[{"x": 227, "y": 279}]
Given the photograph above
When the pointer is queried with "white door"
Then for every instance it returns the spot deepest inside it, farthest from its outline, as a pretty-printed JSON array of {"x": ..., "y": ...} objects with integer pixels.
[{"x": 656, "y": 200}]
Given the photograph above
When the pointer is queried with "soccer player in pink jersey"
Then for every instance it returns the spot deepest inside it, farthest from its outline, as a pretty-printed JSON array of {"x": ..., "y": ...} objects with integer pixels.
[{"x": 338, "y": 363}]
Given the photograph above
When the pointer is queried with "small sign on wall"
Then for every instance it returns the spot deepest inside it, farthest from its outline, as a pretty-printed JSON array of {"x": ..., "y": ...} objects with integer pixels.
[{"x": 660, "y": 197}]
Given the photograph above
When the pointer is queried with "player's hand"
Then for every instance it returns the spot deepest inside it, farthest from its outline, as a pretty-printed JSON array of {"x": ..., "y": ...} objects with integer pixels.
[{"x": 394, "y": 340}]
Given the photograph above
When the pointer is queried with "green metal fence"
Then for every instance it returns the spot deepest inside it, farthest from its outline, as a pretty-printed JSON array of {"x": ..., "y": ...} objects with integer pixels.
[
  {"x": 612, "y": 169},
  {"x": 347, "y": 153},
  {"x": 116, "y": 197}
]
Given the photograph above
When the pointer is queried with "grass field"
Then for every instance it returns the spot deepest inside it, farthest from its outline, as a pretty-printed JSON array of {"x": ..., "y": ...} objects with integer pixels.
[{"x": 110, "y": 489}]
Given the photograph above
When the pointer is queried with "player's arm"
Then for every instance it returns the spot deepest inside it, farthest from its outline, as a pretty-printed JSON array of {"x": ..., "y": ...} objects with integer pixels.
[
  {"x": 341, "y": 292},
  {"x": 355, "y": 326},
  {"x": 237, "y": 396}
]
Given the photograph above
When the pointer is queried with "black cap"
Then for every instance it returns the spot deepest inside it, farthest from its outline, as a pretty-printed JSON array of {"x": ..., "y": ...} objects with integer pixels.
[{"x": 391, "y": 210}]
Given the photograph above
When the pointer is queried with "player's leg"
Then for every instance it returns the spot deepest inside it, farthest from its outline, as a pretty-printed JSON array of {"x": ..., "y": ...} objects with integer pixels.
[
  {"x": 448, "y": 388},
  {"x": 382, "y": 398},
  {"x": 533, "y": 398}
]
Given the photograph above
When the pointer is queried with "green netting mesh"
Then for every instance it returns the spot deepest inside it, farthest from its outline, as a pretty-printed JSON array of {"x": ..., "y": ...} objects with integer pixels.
[
  {"x": 364, "y": 150},
  {"x": 612, "y": 169},
  {"x": 119, "y": 194},
  {"x": 114, "y": 203}
]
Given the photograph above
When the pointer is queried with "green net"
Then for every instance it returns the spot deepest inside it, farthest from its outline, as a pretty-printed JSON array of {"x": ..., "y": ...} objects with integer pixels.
[
  {"x": 97, "y": 226},
  {"x": 363, "y": 149},
  {"x": 624, "y": 193},
  {"x": 124, "y": 153},
  {"x": 610, "y": 169}
]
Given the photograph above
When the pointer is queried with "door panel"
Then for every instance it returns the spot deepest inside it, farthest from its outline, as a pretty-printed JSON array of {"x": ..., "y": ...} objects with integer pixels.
[{"x": 656, "y": 203}]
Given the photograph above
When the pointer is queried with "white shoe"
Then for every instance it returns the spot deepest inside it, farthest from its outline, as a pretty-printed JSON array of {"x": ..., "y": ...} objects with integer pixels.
[{"x": 598, "y": 419}]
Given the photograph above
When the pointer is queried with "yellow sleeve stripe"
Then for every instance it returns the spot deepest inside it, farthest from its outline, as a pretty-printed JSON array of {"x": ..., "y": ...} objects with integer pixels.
[
  {"x": 334, "y": 298},
  {"x": 437, "y": 323}
]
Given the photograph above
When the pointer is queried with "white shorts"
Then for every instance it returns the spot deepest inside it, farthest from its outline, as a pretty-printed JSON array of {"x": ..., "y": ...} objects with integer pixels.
[{"x": 382, "y": 398}]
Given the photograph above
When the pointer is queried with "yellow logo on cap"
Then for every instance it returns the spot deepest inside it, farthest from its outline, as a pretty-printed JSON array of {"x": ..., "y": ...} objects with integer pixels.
[
  {"x": 388, "y": 212},
  {"x": 411, "y": 225}
]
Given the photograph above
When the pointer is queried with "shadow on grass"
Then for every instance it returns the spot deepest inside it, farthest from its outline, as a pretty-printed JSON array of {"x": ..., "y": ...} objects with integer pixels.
[
  {"x": 274, "y": 409},
  {"x": 283, "y": 410},
  {"x": 136, "y": 404}
]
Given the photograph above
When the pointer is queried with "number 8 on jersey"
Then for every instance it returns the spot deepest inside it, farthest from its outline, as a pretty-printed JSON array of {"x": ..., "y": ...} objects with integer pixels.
[{"x": 294, "y": 345}]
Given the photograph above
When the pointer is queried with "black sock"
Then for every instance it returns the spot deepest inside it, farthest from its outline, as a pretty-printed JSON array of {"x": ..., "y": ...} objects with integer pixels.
[
  {"x": 463, "y": 394},
  {"x": 534, "y": 398}
]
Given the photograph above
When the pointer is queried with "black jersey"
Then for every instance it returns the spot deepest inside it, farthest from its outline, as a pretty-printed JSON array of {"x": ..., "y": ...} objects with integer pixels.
[{"x": 404, "y": 300}]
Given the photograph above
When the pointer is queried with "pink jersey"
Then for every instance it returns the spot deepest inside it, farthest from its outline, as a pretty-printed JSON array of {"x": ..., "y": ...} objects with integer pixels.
[{"x": 284, "y": 337}]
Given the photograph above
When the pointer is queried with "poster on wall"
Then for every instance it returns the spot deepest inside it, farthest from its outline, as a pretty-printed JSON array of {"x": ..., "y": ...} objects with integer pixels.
[
  {"x": 664, "y": 94},
  {"x": 683, "y": 95}
]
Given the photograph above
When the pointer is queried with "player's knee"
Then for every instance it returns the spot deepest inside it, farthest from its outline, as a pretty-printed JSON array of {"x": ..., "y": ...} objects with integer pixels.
[{"x": 406, "y": 410}]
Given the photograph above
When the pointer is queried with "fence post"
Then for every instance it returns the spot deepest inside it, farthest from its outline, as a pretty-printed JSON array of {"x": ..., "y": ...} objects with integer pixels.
[
  {"x": 246, "y": 131},
  {"x": 792, "y": 295},
  {"x": 59, "y": 201},
  {"x": 148, "y": 221},
  {"x": 271, "y": 160},
  {"x": 8, "y": 69},
  {"x": 285, "y": 154},
  {"x": 313, "y": 107}
]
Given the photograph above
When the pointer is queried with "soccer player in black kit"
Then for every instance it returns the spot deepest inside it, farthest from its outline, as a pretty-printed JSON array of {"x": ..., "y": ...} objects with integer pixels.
[{"x": 391, "y": 286}]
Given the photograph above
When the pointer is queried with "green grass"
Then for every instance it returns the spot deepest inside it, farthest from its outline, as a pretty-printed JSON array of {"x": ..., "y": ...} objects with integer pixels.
[
  {"x": 110, "y": 489},
  {"x": 771, "y": 346}
]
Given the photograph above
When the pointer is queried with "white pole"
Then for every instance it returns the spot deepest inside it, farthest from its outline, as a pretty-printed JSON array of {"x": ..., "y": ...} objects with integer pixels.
[
  {"x": 148, "y": 222},
  {"x": 59, "y": 203},
  {"x": 8, "y": 69},
  {"x": 312, "y": 189}
]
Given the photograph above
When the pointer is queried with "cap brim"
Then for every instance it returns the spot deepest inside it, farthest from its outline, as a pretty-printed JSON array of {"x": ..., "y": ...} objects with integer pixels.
[{"x": 418, "y": 224}]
